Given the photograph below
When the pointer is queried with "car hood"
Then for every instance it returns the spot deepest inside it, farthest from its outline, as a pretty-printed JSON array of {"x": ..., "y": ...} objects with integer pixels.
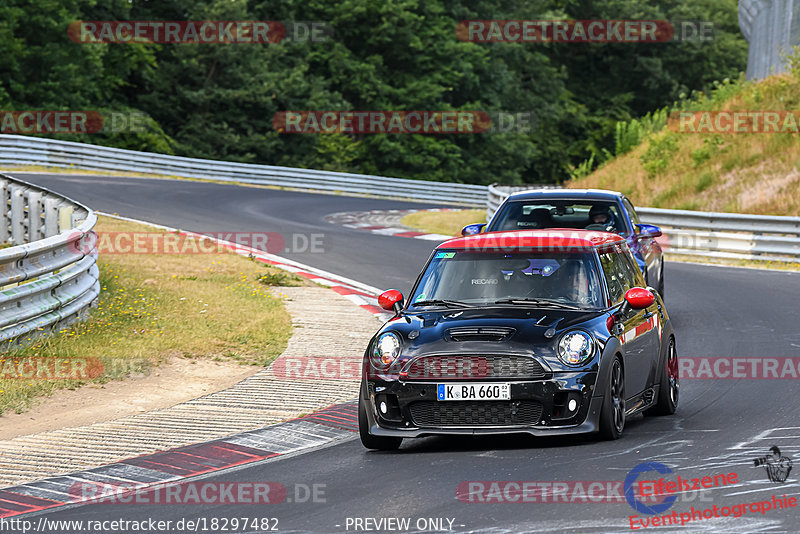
[{"x": 497, "y": 330}]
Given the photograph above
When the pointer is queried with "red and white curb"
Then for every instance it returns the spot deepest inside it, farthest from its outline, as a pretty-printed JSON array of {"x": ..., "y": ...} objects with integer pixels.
[
  {"x": 385, "y": 222},
  {"x": 168, "y": 468},
  {"x": 360, "y": 294}
]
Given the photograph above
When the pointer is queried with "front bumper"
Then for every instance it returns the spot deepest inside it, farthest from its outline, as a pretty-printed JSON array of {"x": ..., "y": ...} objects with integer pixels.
[{"x": 537, "y": 407}]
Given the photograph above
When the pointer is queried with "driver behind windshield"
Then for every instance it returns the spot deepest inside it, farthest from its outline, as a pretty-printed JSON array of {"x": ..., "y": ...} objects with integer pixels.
[
  {"x": 601, "y": 218},
  {"x": 571, "y": 283}
]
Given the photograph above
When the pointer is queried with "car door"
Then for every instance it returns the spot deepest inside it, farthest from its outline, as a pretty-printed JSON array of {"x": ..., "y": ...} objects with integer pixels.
[
  {"x": 650, "y": 328},
  {"x": 637, "y": 325}
]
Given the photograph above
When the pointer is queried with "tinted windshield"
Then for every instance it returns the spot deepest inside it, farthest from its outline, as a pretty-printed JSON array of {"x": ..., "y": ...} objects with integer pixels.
[
  {"x": 481, "y": 278},
  {"x": 582, "y": 214}
]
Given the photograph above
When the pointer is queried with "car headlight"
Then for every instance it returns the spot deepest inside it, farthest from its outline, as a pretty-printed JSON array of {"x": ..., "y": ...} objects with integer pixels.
[
  {"x": 387, "y": 349},
  {"x": 576, "y": 348}
]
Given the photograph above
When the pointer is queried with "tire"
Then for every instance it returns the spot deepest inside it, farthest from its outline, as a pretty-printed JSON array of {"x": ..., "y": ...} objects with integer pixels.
[
  {"x": 612, "y": 415},
  {"x": 669, "y": 386},
  {"x": 380, "y": 443}
]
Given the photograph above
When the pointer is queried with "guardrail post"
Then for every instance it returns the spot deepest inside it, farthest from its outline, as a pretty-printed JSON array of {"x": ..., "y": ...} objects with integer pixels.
[
  {"x": 35, "y": 222},
  {"x": 17, "y": 214},
  {"x": 65, "y": 218},
  {"x": 51, "y": 216},
  {"x": 5, "y": 211}
]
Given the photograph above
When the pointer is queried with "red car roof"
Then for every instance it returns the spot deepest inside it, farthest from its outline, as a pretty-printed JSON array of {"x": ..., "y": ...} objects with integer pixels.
[{"x": 551, "y": 238}]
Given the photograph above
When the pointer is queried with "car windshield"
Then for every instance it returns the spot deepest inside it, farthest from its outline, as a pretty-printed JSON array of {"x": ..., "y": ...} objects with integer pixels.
[
  {"x": 555, "y": 279},
  {"x": 582, "y": 214}
]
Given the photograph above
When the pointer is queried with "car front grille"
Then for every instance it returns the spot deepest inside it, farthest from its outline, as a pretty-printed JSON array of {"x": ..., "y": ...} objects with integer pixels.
[
  {"x": 475, "y": 413},
  {"x": 466, "y": 367}
]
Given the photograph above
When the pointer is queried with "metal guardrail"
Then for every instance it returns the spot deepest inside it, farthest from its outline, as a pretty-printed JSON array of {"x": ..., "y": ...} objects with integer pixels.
[
  {"x": 496, "y": 194},
  {"x": 18, "y": 149},
  {"x": 46, "y": 281},
  {"x": 707, "y": 234}
]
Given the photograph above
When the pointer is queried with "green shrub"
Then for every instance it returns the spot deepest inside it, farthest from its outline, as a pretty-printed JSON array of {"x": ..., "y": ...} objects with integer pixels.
[
  {"x": 658, "y": 154},
  {"x": 701, "y": 155},
  {"x": 705, "y": 181},
  {"x": 583, "y": 169},
  {"x": 279, "y": 279},
  {"x": 630, "y": 134}
]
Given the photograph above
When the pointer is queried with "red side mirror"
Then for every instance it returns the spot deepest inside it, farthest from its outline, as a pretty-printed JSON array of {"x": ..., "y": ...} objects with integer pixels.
[
  {"x": 639, "y": 298},
  {"x": 391, "y": 300}
]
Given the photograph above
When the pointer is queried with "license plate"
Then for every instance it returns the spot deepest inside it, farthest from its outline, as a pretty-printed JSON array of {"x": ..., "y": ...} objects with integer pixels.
[{"x": 473, "y": 391}]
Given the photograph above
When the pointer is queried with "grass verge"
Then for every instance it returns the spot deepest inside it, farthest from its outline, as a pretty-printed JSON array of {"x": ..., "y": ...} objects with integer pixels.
[
  {"x": 153, "y": 307},
  {"x": 443, "y": 222},
  {"x": 730, "y": 262}
]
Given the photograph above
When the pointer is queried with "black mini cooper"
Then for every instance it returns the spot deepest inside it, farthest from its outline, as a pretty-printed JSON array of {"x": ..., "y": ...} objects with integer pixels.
[{"x": 543, "y": 332}]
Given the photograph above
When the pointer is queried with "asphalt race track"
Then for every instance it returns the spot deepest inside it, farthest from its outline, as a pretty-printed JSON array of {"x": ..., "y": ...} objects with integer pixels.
[
  {"x": 720, "y": 427},
  {"x": 212, "y": 208}
]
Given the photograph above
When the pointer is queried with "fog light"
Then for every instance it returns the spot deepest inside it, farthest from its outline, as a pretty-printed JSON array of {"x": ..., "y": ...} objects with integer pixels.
[
  {"x": 572, "y": 405},
  {"x": 384, "y": 409}
]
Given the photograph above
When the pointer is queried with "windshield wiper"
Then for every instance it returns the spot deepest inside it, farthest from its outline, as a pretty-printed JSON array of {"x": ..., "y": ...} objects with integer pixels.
[
  {"x": 538, "y": 302},
  {"x": 441, "y": 302}
]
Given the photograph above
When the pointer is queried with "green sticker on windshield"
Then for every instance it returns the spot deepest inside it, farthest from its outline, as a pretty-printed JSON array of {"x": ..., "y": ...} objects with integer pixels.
[
  {"x": 444, "y": 255},
  {"x": 420, "y": 297}
]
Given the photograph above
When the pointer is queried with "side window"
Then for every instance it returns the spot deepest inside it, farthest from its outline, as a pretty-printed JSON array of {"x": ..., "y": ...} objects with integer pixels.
[
  {"x": 627, "y": 271},
  {"x": 631, "y": 212},
  {"x": 620, "y": 273},
  {"x": 506, "y": 217},
  {"x": 633, "y": 268},
  {"x": 612, "y": 275}
]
